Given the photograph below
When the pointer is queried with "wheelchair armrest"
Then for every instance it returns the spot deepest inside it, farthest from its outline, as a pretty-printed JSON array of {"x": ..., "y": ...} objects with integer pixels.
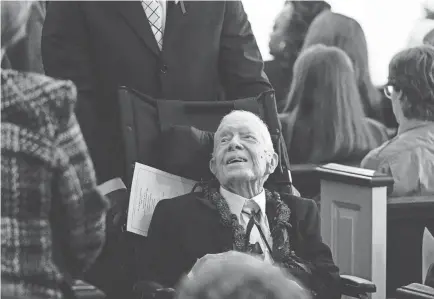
[
  {"x": 83, "y": 290},
  {"x": 150, "y": 289},
  {"x": 354, "y": 286},
  {"x": 415, "y": 291}
]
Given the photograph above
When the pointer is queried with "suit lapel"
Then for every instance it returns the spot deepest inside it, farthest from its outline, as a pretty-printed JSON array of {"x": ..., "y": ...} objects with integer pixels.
[
  {"x": 270, "y": 211},
  {"x": 221, "y": 234},
  {"x": 135, "y": 16}
]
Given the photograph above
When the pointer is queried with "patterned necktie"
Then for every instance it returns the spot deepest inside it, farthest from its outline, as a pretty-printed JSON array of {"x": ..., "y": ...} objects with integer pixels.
[
  {"x": 252, "y": 210},
  {"x": 154, "y": 12}
]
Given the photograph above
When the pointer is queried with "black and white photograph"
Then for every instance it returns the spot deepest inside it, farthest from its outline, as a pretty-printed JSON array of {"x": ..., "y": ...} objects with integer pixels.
[{"x": 225, "y": 149}]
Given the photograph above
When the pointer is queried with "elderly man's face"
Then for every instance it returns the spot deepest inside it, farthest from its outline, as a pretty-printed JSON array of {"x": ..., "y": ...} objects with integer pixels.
[{"x": 240, "y": 151}]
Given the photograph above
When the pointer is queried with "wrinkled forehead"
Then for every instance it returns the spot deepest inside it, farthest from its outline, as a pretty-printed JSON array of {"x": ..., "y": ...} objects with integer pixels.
[{"x": 240, "y": 122}]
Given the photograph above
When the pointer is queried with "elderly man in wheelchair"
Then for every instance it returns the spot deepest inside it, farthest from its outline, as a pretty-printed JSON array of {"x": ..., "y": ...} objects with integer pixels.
[{"x": 236, "y": 212}]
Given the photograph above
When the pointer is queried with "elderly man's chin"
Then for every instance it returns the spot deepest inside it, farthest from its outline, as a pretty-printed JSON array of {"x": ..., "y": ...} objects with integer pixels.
[{"x": 239, "y": 174}]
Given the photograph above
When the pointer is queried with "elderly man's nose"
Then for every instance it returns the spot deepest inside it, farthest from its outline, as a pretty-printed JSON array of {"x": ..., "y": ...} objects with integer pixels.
[{"x": 235, "y": 144}]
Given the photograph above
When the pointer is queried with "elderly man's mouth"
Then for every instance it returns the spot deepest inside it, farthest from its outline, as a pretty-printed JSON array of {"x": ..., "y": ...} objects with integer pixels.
[{"x": 236, "y": 160}]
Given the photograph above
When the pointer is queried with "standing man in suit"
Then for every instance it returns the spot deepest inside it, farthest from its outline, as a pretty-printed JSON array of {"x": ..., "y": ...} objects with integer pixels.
[
  {"x": 237, "y": 213},
  {"x": 174, "y": 50}
]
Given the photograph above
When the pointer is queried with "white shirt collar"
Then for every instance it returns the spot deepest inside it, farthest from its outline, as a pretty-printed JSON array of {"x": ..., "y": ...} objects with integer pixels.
[{"x": 236, "y": 202}]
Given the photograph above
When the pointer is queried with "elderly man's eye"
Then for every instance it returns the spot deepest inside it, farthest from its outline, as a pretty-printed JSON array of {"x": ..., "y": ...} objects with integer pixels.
[
  {"x": 224, "y": 139},
  {"x": 249, "y": 137}
]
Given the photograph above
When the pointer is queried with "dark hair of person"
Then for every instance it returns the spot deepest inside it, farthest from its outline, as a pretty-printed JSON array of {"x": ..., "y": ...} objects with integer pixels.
[
  {"x": 304, "y": 12},
  {"x": 412, "y": 72}
]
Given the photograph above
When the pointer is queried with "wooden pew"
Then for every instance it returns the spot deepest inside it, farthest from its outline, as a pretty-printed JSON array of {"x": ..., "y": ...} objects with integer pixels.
[
  {"x": 306, "y": 178},
  {"x": 357, "y": 219},
  {"x": 353, "y": 221}
]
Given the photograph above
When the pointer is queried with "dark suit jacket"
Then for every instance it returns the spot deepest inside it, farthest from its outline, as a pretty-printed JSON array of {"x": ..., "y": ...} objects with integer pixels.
[
  {"x": 186, "y": 228},
  {"x": 208, "y": 50}
]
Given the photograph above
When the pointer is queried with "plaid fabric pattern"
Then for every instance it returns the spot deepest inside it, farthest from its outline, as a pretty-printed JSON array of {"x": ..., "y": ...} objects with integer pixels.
[
  {"x": 154, "y": 11},
  {"x": 50, "y": 206}
]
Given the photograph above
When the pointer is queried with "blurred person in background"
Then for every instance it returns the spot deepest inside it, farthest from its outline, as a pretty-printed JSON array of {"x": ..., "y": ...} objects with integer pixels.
[
  {"x": 409, "y": 157},
  {"x": 286, "y": 41},
  {"x": 52, "y": 216},
  {"x": 422, "y": 26},
  {"x": 333, "y": 29},
  {"x": 323, "y": 120},
  {"x": 236, "y": 275},
  {"x": 25, "y": 55}
]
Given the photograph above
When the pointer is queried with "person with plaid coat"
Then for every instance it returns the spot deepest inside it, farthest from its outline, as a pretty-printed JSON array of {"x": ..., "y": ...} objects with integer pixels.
[{"x": 52, "y": 216}]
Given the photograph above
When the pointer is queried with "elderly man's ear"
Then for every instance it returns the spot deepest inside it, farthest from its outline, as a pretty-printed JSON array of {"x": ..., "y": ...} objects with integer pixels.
[
  {"x": 212, "y": 166},
  {"x": 272, "y": 163}
]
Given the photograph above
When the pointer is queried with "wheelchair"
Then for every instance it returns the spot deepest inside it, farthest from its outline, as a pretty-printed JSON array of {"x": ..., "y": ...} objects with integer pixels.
[{"x": 145, "y": 122}]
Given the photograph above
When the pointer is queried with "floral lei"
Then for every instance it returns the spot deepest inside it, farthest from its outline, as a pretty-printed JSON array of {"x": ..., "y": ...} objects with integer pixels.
[{"x": 282, "y": 251}]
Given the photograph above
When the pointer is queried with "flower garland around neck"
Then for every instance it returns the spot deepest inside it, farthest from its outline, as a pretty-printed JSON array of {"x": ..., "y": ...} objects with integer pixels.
[{"x": 280, "y": 226}]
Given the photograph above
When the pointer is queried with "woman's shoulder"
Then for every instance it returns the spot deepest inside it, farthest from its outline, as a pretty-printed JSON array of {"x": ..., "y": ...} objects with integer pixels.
[
  {"x": 379, "y": 131},
  {"x": 32, "y": 86},
  {"x": 36, "y": 101},
  {"x": 36, "y": 90}
]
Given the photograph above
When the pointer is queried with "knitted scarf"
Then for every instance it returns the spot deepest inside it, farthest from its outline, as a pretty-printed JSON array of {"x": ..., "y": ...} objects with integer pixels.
[{"x": 280, "y": 226}]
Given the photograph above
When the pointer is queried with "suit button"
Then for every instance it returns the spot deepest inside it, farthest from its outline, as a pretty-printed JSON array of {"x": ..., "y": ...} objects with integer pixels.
[{"x": 164, "y": 69}]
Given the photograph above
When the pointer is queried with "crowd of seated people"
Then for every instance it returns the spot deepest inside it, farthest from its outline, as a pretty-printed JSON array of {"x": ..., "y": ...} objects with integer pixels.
[
  {"x": 53, "y": 217},
  {"x": 333, "y": 113}
]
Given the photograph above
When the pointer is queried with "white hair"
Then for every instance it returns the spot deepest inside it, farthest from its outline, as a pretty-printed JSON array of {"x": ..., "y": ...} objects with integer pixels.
[
  {"x": 262, "y": 125},
  {"x": 238, "y": 275}
]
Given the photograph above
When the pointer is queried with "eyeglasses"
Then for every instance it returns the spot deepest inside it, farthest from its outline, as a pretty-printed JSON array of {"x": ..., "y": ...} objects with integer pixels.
[{"x": 388, "y": 89}]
